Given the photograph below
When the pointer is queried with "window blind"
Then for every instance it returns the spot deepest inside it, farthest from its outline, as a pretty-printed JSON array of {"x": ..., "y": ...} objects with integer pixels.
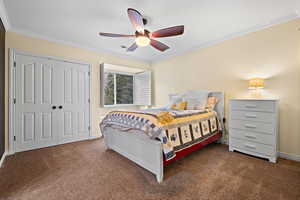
[{"x": 142, "y": 91}]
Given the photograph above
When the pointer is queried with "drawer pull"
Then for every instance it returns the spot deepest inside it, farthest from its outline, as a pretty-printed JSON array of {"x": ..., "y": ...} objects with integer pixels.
[
  {"x": 250, "y": 146},
  {"x": 250, "y": 136},
  {"x": 250, "y": 126},
  {"x": 250, "y": 116},
  {"x": 250, "y": 106}
]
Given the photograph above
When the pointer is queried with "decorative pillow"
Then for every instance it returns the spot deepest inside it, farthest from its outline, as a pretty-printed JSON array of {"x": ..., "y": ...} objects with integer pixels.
[
  {"x": 173, "y": 106},
  {"x": 174, "y": 100},
  {"x": 182, "y": 105},
  {"x": 179, "y": 106},
  {"x": 211, "y": 103}
]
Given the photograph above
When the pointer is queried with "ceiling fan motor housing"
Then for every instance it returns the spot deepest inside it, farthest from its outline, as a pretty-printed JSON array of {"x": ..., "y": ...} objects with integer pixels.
[{"x": 146, "y": 33}]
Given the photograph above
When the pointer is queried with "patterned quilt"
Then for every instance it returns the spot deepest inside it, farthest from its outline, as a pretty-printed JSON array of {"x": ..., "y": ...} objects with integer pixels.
[{"x": 176, "y": 130}]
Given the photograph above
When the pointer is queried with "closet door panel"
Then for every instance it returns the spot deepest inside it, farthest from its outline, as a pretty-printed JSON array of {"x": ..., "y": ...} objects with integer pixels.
[
  {"x": 33, "y": 118},
  {"x": 75, "y": 103}
]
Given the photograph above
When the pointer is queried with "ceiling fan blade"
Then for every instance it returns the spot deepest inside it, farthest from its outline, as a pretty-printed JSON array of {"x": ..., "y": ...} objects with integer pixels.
[
  {"x": 115, "y": 35},
  {"x": 133, "y": 47},
  {"x": 158, "y": 45},
  {"x": 136, "y": 19},
  {"x": 167, "y": 32}
]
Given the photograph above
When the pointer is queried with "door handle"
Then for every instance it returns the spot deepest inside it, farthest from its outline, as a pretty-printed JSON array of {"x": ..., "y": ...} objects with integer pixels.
[
  {"x": 60, "y": 107},
  {"x": 53, "y": 107}
]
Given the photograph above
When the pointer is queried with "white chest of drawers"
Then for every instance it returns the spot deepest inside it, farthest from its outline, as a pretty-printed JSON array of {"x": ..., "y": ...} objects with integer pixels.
[{"x": 253, "y": 127}]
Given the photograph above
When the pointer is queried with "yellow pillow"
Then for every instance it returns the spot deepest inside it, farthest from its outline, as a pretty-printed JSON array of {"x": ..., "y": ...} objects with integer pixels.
[{"x": 182, "y": 105}]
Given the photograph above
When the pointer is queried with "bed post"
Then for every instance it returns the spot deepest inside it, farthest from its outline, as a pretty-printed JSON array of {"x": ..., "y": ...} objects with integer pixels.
[
  {"x": 106, "y": 140},
  {"x": 160, "y": 174},
  {"x": 159, "y": 178},
  {"x": 220, "y": 109}
]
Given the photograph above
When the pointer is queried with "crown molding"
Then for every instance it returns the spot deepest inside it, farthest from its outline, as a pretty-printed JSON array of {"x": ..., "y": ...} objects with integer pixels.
[
  {"x": 293, "y": 16},
  {"x": 4, "y": 16},
  {"x": 76, "y": 45}
]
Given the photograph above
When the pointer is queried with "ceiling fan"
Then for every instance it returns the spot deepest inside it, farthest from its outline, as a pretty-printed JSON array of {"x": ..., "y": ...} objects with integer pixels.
[{"x": 143, "y": 37}]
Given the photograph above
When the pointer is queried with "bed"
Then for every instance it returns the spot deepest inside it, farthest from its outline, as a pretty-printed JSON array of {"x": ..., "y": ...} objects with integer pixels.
[{"x": 154, "y": 138}]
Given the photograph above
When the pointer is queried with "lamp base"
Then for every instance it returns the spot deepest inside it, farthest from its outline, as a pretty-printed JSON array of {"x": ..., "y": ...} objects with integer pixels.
[{"x": 256, "y": 93}]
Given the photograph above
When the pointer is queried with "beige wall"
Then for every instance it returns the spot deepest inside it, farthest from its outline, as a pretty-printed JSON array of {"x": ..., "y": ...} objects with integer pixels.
[
  {"x": 43, "y": 47},
  {"x": 273, "y": 53}
]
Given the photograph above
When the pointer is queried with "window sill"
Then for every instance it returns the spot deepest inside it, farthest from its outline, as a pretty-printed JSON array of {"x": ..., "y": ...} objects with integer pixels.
[{"x": 119, "y": 105}]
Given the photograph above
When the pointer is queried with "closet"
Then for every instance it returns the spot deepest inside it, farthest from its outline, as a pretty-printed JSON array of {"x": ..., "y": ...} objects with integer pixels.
[{"x": 51, "y": 101}]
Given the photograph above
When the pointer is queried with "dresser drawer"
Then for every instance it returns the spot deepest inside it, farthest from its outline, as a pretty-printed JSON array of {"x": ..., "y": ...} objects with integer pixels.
[
  {"x": 252, "y": 105},
  {"x": 252, "y": 136},
  {"x": 252, "y": 126},
  {"x": 252, "y": 146},
  {"x": 252, "y": 116}
]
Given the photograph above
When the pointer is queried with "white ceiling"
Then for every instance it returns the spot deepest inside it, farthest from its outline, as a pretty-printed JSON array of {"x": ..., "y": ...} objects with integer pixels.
[{"x": 206, "y": 21}]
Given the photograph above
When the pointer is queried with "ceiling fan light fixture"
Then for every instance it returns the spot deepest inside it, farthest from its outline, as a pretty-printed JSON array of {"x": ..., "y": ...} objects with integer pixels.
[
  {"x": 144, "y": 37},
  {"x": 142, "y": 41}
]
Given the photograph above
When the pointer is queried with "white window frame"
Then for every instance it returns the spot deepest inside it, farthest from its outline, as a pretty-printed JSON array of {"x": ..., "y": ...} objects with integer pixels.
[{"x": 115, "y": 89}]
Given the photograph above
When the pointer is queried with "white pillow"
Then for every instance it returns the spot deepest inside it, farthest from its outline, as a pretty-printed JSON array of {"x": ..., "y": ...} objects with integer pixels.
[
  {"x": 174, "y": 99},
  {"x": 196, "y": 101}
]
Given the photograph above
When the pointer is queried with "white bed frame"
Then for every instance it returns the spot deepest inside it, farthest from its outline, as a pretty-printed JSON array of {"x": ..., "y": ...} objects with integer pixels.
[{"x": 141, "y": 149}]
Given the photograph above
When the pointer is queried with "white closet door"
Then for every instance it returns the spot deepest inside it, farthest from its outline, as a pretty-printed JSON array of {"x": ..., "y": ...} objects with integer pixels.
[
  {"x": 52, "y": 102},
  {"x": 74, "y": 92},
  {"x": 35, "y": 124}
]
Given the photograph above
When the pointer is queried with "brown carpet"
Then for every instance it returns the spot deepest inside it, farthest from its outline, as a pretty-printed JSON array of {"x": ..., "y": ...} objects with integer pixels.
[{"x": 86, "y": 170}]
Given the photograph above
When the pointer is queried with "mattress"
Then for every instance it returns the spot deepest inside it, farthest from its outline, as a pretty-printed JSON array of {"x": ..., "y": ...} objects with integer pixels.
[{"x": 178, "y": 131}]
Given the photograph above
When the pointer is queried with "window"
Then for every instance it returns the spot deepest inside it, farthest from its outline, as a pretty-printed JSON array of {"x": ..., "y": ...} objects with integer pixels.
[
  {"x": 109, "y": 89},
  {"x": 118, "y": 88},
  {"x": 124, "y": 86}
]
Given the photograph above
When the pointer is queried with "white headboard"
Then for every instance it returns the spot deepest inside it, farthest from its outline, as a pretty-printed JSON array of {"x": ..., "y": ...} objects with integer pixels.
[{"x": 220, "y": 108}]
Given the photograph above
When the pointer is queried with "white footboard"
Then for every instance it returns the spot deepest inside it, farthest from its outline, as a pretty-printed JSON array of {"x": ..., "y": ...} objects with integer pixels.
[{"x": 137, "y": 147}]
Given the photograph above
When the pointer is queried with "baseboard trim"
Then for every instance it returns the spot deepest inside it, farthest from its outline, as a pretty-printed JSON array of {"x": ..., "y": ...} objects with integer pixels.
[
  {"x": 289, "y": 156},
  {"x": 3, "y": 158},
  {"x": 93, "y": 137},
  {"x": 285, "y": 155},
  {"x": 9, "y": 153}
]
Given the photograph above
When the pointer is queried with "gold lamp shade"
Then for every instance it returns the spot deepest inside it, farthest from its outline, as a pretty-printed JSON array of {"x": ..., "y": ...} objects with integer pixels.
[{"x": 256, "y": 83}]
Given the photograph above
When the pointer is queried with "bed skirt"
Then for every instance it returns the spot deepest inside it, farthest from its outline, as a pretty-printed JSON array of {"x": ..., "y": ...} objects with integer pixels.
[{"x": 184, "y": 152}]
